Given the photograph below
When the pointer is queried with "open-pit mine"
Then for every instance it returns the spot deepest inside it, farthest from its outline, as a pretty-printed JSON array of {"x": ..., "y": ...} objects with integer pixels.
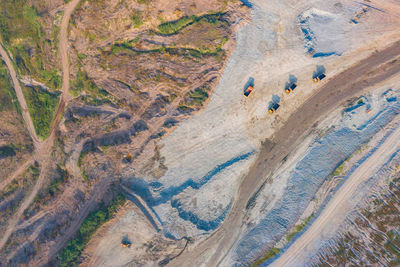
[{"x": 200, "y": 133}]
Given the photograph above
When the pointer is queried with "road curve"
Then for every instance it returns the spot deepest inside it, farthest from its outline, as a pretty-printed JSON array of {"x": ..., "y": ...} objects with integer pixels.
[
  {"x": 43, "y": 150},
  {"x": 337, "y": 90},
  {"x": 20, "y": 96},
  {"x": 342, "y": 198}
]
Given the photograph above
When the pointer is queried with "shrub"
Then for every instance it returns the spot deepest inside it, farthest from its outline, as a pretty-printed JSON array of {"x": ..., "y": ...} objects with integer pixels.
[
  {"x": 42, "y": 106},
  {"x": 137, "y": 18},
  {"x": 69, "y": 256}
]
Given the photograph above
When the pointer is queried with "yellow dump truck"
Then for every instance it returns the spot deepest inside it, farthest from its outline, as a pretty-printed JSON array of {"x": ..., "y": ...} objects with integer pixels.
[
  {"x": 319, "y": 77},
  {"x": 291, "y": 88},
  {"x": 273, "y": 108}
]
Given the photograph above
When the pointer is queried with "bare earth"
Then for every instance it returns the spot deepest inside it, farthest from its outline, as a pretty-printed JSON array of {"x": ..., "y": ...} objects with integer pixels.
[
  {"x": 43, "y": 149},
  {"x": 20, "y": 96},
  {"x": 336, "y": 206},
  {"x": 344, "y": 86}
]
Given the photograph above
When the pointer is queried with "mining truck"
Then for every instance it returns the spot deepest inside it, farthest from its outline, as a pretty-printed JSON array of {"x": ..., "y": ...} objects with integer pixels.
[
  {"x": 273, "y": 108},
  {"x": 126, "y": 243},
  {"x": 319, "y": 77},
  {"x": 249, "y": 89},
  {"x": 291, "y": 88}
]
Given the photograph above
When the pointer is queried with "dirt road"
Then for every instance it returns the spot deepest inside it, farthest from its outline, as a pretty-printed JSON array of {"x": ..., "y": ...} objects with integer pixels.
[
  {"x": 18, "y": 90},
  {"x": 344, "y": 86},
  {"x": 342, "y": 198},
  {"x": 16, "y": 173},
  {"x": 43, "y": 149},
  {"x": 69, "y": 8}
]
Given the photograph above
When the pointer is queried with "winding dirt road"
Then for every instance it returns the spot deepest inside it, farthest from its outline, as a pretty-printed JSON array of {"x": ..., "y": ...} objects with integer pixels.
[
  {"x": 339, "y": 202},
  {"x": 43, "y": 149},
  {"x": 376, "y": 68},
  {"x": 18, "y": 90}
]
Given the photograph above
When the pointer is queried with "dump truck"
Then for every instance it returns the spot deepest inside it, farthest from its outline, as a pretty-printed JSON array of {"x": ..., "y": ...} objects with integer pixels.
[
  {"x": 273, "y": 108},
  {"x": 248, "y": 90},
  {"x": 319, "y": 77},
  {"x": 126, "y": 243},
  {"x": 128, "y": 157},
  {"x": 291, "y": 88}
]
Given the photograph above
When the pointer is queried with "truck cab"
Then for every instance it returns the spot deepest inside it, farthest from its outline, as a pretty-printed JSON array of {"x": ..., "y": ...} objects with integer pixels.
[
  {"x": 319, "y": 77},
  {"x": 291, "y": 88},
  {"x": 248, "y": 90},
  {"x": 273, "y": 108}
]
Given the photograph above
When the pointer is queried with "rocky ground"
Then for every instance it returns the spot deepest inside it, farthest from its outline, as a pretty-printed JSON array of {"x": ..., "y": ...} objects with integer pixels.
[
  {"x": 134, "y": 76},
  {"x": 138, "y": 118}
]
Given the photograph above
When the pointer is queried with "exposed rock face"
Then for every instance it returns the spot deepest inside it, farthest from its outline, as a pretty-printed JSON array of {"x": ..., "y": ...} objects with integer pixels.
[{"x": 133, "y": 78}]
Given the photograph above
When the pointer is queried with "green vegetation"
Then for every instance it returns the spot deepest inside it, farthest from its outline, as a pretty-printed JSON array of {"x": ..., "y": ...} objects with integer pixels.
[
  {"x": 393, "y": 244},
  {"x": 69, "y": 256},
  {"x": 197, "y": 96},
  {"x": 8, "y": 99},
  {"x": 27, "y": 178},
  {"x": 270, "y": 254},
  {"x": 80, "y": 159},
  {"x": 7, "y": 151},
  {"x": 58, "y": 181},
  {"x": 298, "y": 228},
  {"x": 137, "y": 18},
  {"x": 95, "y": 95},
  {"x": 173, "y": 27},
  {"x": 339, "y": 169},
  {"x": 82, "y": 56},
  {"x": 188, "y": 53},
  {"x": 42, "y": 106},
  {"x": 81, "y": 156},
  {"x": 275, "y": 251},
  {"x": 60, "y": 177},
  {"x": 144, "y": 2},
  {"x": 22, "y": 34}
]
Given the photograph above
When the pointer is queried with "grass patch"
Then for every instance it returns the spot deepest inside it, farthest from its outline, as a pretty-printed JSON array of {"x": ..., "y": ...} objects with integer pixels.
[
  {"x": 8, "y": 98},
  {"x": 28, "y": 177},
  {"x": 137, "y": 18},
  {"x": 143, "y": 2},
  {"x": 22, "y": 35},
  {"x": 197, "y": 96},
  {"x": 338, "y": 171},
  {"x": 42, "y": 106},
  {"x": 188, "y": 53},
  {"x": 60, "y": 176},
  {"x": 7, "y": 151},
  {"x": 174, "y": 27},
  {"x": 69, "y": 256},
  {"x": 270, "y": 254},
  {"x": 298, "y": 228},
  {"x": 83, "y": 83}
]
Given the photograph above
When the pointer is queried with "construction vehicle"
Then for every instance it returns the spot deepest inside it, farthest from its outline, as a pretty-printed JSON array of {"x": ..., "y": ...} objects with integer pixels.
[
  {"x": 358, "y": 15},
  {"x": 128, "y": 157},
  {"x": 319, "y": 77},
  {"x": 248, "y": 90},
  {"x": 273, "y": 108},
  {"x": 126, "y": 243},
  {"x": 291, "y": 88}
]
